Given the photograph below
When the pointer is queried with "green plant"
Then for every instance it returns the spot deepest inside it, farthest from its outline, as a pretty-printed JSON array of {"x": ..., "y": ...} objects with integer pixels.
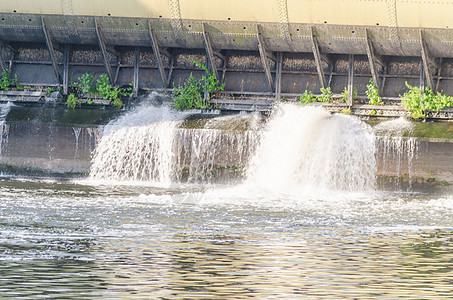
[
  {"x": 211, "y": 83},
  {"x": 346, "y": 111},
  {"x": 72, "y": 101},
  {"x": 50, "y": 90},
  {"x": 6, "y": 81},
  {"x": 326, "y": 95},
  {"x": 307, "y": 97},
  {"x": 109, "y": 92},
  {"x": 86, "y": 84},
  {"x": 191, "y": 94},
  {"x": 372, "y": 94},
  {"x": 345, "y": 94},
  {"x": 419, "y": 101},
  {"x": 373, "y": 112}
]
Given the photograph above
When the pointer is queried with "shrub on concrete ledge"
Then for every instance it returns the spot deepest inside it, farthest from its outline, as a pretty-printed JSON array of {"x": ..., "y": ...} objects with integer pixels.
[
  {"x": 419, "y": 101},
  {"x": 191, "y": 94}
]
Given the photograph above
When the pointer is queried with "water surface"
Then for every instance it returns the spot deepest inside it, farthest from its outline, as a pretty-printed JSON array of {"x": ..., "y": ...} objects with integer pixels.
[{"x": 84, "y": 240}]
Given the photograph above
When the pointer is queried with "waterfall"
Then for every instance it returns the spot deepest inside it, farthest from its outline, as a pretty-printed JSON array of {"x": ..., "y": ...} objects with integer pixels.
[
  {"x": 310, "y": 148},
  {"x": 138, "y": 146},
  {"x": 77, "y": 131},
  {"x": 4, "y": 110},
  {"x": 394, "y": 149},
  {"x": 151, "y": 144},
  {"x": 300, "y": 146}
]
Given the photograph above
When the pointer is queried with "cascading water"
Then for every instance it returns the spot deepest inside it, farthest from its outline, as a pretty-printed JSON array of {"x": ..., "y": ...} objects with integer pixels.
[
  {"x": 308, "y": 147},
  {"x": 301, "y": 146},
  {"x": 4, "y": 110},
  {"x": 138, "y": 146},
  {"x": 396, "y": 151},
  {"x": 152, "y": 144}
]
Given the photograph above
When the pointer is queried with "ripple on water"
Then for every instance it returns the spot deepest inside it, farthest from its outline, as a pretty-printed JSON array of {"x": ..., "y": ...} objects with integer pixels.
[{"x": 72, "y": 240}]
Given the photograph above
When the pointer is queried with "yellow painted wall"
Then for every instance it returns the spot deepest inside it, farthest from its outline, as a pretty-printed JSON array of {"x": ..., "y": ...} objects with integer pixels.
[
  {"x": 236, "y": 10},
  {"x": 338, "y": 12},
  {"x": 428, "y": 14}
]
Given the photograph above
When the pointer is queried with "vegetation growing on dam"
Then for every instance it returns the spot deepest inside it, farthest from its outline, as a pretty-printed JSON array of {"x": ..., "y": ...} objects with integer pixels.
[
  {"x": 7, "y": 81},
  {"x": 101, "y": 88},
  {"x": 196, "y": 93},
  {"x": 372, "y": 93},
  {"x": 419, "y": 101}
]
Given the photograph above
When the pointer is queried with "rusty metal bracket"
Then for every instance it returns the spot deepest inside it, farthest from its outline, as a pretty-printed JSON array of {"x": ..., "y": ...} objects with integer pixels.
[
  {"x": 264, "y": 57},
  {"x": 50, "y": 48},
  {"x": 66, "y": 69},
  {"x": 317, "y": 55},
  {"x": 103, "y": 48},
  {"x": 209, "y": 52},
  {"x": 278, "y": 77},
  {"x": 136, "y": 70},
  {"x": 373, "y": 60},
  {"x": 428, "y": 61},
  {"x": 156, "y": 50},
  {"x": 351, "y": 80}
]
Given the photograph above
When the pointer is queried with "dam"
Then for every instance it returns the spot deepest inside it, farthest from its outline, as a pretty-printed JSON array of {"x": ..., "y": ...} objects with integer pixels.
[
  {"x": 261, "y": 50},
  {"x": 257, "y": 196}
]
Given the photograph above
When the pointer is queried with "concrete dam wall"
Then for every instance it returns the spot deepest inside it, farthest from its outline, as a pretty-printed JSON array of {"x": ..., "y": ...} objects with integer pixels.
[{"x": 271, "y": 49}]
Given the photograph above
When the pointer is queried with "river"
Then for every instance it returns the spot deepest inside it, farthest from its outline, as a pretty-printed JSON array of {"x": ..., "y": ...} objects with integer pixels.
[{"x": 299, "y": 234}]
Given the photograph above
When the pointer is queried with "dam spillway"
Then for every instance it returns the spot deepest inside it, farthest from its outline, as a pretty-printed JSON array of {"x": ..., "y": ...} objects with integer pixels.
[
  {"x": 295, "y": 147},
  {"x": 260, "y": 50}
]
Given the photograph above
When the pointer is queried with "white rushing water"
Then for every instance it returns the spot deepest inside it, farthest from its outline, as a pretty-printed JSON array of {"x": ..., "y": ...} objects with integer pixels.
[
  {"x": 5, "y": 108},
  {"x": 308, "y": 147},
  {"x": 396, "y": 151},
  {"x": 299, "y": 147},
  {"x": 138, "y": 146}
]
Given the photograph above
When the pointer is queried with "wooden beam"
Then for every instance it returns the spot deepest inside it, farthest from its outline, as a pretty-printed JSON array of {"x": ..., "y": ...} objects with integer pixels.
[
  {"x": 263, "y": 56},
  {"x": 317, "y": 54},
  {"x": 278, "y": 77},
  {"x": 157, "y": 55},
  {"x": 136, "y": 70},
  {"x": 209, "y": 52},
  {"x": 373, "y": 62},
  {"x": 103, "y": 48},
  {"x": 351, "y": 80},
  {"x": 50, "y": 48},
  {"x": 428, "y": 62},
  {"x": 66, "y": 69}
]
